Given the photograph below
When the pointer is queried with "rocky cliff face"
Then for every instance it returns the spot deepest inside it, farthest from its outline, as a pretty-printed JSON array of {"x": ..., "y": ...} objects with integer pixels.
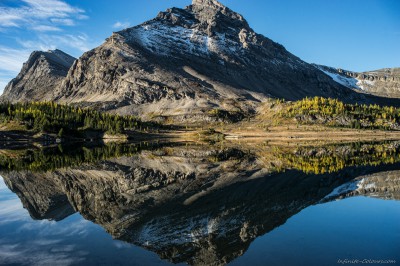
[
  {"x": 41, "y": 195},
  {"x": 383, "y": 82},
  {"x": 39, "y": 77},
  {"x": 187, "y": 61},
  {"x": 384, "y": 185}
]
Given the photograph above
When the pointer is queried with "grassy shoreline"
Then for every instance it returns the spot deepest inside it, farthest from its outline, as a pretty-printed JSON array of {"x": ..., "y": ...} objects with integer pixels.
[{"x": 314, "y": 120}]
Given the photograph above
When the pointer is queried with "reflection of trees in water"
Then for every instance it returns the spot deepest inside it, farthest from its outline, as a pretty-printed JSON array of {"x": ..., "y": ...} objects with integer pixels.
[
  {"x": 332, "y": 158},
  {"x": 49, "y": 159},
  {"x": 202, "y": 205},
  {"x": 315, "y": 160}
]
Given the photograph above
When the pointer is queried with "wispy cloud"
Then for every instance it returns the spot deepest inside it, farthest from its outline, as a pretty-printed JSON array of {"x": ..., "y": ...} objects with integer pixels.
[
  {"x": 49, "y": 243},
  {"x": 3, "y": 83},
  {"x": 121, "y": 25},
  {"x": 40, "y": 15},
  {"x": 38, "y": 25},
  {"x": 45, "y": 42},
  {"x": 45, "y": 28},
  {"x": 34, "y": 254},
  {"x": 12, "y": 211},
  {"x": 63, "y": 21},
  {"x": 11, "y": 59}
]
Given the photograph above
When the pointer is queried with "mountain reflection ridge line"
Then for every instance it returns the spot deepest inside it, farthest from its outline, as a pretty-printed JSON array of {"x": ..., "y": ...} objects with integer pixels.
[{"x": 198, "y": 204}]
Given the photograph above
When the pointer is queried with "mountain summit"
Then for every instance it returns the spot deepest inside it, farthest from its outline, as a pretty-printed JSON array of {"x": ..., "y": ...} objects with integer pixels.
[
  {"x": 187, "y": 61},
  {"x": 39, "y": 77},
  {"x": 208, "y": 3}
]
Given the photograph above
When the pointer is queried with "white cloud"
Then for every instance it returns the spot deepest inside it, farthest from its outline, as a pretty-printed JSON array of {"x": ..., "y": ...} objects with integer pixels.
[
  {"x": 3, "y": 186},
  {"x": 41, "y": 15},
  {"x": 40, "y": 45},
  {"x": 9, "y": 20},
  {"x": 46, "y": 42},
  {"x": 49, "y": 243},
  {"x": 121, "y": 25},
  {"x": 3, "y": 83},
  {"x": 47, "y": 20},
  {"x": 52, "y": 8},
  {"x": 30, "y": 253},
  {"x": 45, "y": 28},
  {"x": 11, "y": 59},
  {"x": 63, "y": 21},
  {"x": 11, "y": 209}
]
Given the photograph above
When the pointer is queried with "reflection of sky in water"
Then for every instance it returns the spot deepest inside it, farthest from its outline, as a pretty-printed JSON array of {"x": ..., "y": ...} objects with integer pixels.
[
  {"x": 353, "y": 228},
  {"x": 71, "y": 241}
]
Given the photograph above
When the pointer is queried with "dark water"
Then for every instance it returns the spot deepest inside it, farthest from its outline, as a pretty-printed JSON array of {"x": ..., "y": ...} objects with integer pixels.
[{"x": 163, "y": 204}]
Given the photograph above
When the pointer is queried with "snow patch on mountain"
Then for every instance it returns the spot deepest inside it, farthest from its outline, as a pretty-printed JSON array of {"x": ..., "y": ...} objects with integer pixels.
[
  {"x": 157, "y": 38},
  {"x": 159, "y": 233},
  {"x": 356, "y": 185},
  {"x": 343, "y": 189},
  {"x": 365, "y": 84},
  {"x": 163, "y": 39},
  {"x": 349, "y": 82}
]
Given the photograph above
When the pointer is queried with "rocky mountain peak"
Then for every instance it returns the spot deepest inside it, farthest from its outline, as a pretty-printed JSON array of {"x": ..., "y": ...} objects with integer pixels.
[
  {"x": 217, "y": 18},
  {"x": 207, "y": 16},
  {"x": 55, "y": 61},
  {"x": 208, "y": 6},
  {"x": 208, "y": 3},
  {"x": 60, "y": 57},
  {"x": 196, "y": 57},
  {"x": 39, "y": 76}
]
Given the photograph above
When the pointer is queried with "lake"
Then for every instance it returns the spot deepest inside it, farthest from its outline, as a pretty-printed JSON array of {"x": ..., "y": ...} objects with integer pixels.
[{"x": 181, "y": 203}]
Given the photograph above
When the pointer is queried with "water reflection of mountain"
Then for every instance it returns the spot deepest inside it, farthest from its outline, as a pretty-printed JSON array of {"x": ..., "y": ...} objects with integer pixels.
[{"x": 190, "y": 203}]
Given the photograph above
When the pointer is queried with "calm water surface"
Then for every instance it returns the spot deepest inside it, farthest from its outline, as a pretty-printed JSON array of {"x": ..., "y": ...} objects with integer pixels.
[
  {"x": 190, "y": 205},
  {"x": 72, "y": 241}
]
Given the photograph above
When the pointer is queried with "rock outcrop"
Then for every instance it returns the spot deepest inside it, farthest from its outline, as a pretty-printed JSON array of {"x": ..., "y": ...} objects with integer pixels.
[
  {"x": 41, "y": 195},
  {"x": 383, "y": 82},
  {"x": 39, "y": 77}
]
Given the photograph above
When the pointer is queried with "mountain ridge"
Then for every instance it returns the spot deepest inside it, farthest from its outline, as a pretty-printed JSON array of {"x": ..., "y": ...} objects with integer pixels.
[
  {"x": 39, "y": 77},
  {"x": 185, "y": 63},
  {"x": 382, "y": 82}
]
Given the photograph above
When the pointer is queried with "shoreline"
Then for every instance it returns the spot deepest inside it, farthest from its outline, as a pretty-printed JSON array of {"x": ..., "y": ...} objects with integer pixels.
[{"x": 244, "y": 134}]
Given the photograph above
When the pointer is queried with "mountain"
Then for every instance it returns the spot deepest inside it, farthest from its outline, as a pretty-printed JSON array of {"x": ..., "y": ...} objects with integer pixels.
[
  {"x": 384, "y": 82},
  {"x": 182, "y": 65},
  {"x": 187, "y": 61},
  {"x": 39, "y": 76}
]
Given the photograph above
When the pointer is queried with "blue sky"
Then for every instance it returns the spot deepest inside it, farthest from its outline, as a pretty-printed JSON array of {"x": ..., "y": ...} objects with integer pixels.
[{"x": 356, "y": 35}]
